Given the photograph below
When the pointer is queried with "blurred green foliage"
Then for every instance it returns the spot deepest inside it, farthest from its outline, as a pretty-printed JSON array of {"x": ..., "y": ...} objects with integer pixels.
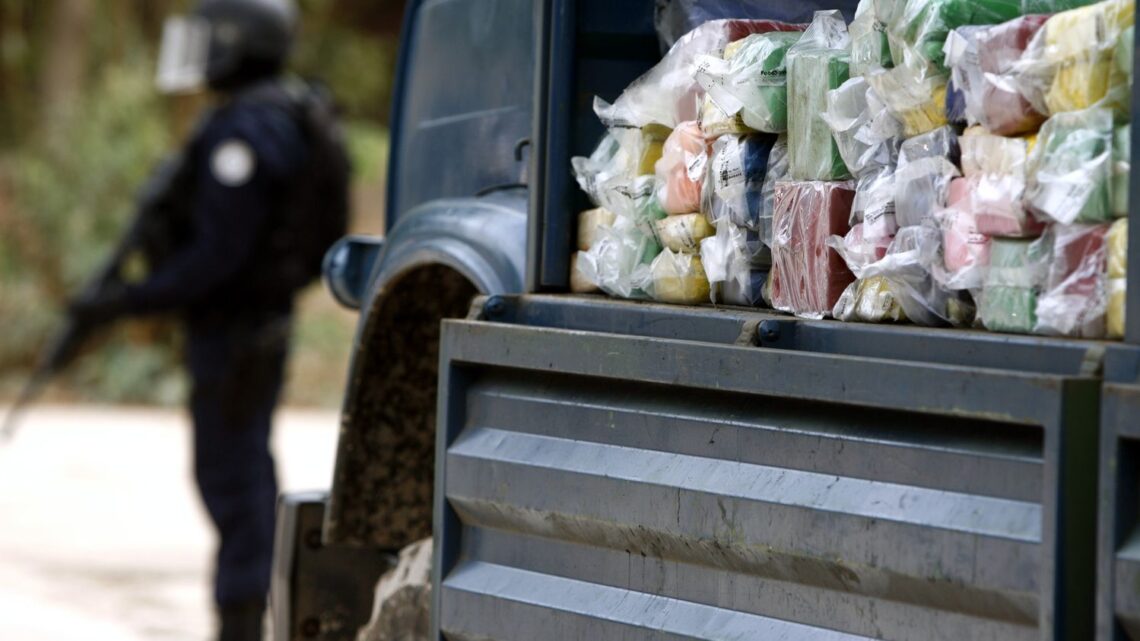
[{"x": 69, "y": 172}]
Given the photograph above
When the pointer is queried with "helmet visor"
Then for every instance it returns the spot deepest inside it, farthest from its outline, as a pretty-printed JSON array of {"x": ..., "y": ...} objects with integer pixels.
[{"x": 184, "y": 55}]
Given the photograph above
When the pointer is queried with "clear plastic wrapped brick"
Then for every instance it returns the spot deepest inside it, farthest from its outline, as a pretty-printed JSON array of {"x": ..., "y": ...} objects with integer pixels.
[
  {"x": 1069, "y": 64},
  {"x": 818, "y": 63},
  {"x": 579, "y": 282},
  {"x": 965, "y": 250},
  {"x": 916, "y": 99},
  {"x": 734, "y": 186},
  {"x": 733, "y": 267},
  {"x": 925, "y": 170},
  {"x": 679, "y": 278},
  {"x": 683, "y": 232},
  {"x": 1074, "y": 300},
  {"x": 869, "y": 300},
  {"x": 681, "y": 169},
  {"x": 874, "y": 203},
  {"x": 590, "y": 222},
  {"x": 866, "y": 135},
  {"x": 668, "y": 94},
  {"x": 1012, "y": 284},
  {"x": 753, "y": 81},
  {"x": 619, "y": 260},
  {"x": 715, "y": 122},
  {"x": 1070, "y": 168},
  {"x": 807, "y": 275}
]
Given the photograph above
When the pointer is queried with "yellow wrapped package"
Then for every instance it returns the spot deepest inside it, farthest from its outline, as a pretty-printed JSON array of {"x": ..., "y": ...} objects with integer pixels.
[
  {"x": 589, "y": 224},
  {"x": 653, "y": 144},
  {"x": 679, "y": 278},
  {"x": 683, "y": 233},
  {"x": 916, "y": 100},
  {"x": 1069, "y": 64},
  {"x": 1117, "y": 277}
]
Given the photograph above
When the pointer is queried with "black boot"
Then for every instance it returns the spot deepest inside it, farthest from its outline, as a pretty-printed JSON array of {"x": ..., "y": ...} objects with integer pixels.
[{"x": 241, "y": 621}]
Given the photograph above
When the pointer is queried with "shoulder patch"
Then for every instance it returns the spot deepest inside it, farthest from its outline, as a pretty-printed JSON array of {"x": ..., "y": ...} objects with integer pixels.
[{"x": 233, "y": 163}]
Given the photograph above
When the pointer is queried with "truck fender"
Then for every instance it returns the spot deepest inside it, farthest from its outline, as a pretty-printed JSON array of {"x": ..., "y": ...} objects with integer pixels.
[{"x": 436, "y": 259}]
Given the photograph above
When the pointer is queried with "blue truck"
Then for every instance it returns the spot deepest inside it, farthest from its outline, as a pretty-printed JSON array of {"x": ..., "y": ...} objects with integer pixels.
[{"x": 600, "y": 469}]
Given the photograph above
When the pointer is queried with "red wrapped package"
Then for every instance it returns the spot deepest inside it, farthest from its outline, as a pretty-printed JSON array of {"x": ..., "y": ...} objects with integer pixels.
[
  {"x": 1075, "y": 297},
  {"x": 1005, "y": 111},
  {"x": 681, "y": 169},
  {"x": 808, "y": 276}
]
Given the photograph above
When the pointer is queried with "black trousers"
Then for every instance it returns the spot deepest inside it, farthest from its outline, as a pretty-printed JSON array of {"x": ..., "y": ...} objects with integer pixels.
[{"x": 237, "y": 368}]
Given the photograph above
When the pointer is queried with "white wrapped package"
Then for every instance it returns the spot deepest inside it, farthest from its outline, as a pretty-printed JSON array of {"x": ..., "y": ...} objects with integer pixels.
[
  {"x": 866, "y": 134},
  {"x": 618, "y": 262},
  {"x": 729, "y": 260},
  {"x": 777, "y": 171},
  {"x": 985, "y": 153},
  {"x": 589, "y": 224},
  {"x": 965, "y": 250},
  {"x": 683, "y": 233},
  {"x": 918, "y": 101},
  {"x": 668, "y": 94},
  {"x": 908, "y": 268},
  {"x": 925, "y": 171},
  {"x": 874, "y": 204},
  {"x": 1117, "y": 277},
  {"x": 857, "y": 250}
]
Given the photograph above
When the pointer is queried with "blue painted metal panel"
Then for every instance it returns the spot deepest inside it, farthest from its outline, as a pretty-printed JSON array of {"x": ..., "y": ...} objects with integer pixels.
[
  {"x": 463, "y": 100},
  {"x": 598, "y": 484}
]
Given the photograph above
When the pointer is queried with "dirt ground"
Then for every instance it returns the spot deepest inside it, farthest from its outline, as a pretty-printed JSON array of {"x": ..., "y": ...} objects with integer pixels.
[{"x": 102, "y": 535}]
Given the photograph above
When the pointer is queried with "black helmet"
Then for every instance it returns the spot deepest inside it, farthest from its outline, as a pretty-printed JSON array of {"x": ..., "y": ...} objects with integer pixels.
[
  {"x": 227, "y": 44},
  {"x": 248, "y": 38}
]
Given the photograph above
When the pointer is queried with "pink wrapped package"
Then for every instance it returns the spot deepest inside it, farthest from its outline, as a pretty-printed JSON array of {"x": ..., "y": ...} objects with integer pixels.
[
  {"x": 1005, "y": 111},
  {"x": 996, "y": 203},
  {"x": 808, "y": 276},
  {"x": 965, "y": 251},
  {"x": 1075, "y": 297},
  {"x": 681, "y": 169}
]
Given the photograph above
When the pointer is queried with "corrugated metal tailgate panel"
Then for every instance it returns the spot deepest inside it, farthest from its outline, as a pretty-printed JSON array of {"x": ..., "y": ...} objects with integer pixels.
[
  {"x": 600, "y": 486},
  {"x": 1118, "y": 590}
]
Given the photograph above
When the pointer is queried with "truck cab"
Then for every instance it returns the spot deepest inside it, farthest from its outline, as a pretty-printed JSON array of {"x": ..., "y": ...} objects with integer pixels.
[{"x": 591, "y": 468}]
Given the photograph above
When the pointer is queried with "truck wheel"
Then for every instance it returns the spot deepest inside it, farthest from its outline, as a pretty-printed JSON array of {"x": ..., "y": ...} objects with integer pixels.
[{"x": 382, "y": 487}]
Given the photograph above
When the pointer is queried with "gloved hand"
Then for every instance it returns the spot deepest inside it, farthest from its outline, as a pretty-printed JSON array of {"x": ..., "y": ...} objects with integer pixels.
[{"x": 97, "y": 308}]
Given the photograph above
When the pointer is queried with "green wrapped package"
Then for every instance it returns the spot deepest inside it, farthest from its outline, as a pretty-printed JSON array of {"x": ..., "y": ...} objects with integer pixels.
[
  {"x": 1120, "y": 77},
  {"x": 752, "y": 79},
  {"x": 1012, "y": 282},
  {"x": 818, "y": 63},
  {"x": 1070, "y": 168},
  {"x": 1121, "y": 169}
]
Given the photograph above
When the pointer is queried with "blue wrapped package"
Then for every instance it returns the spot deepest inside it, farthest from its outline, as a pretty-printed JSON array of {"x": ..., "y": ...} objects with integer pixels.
[
  {"x": 955, "y": 105},
  {"x": 735, "y": 182}
]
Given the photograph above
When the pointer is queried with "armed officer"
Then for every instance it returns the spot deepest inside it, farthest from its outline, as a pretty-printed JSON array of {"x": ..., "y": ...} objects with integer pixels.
[{"x": 258, "y": 194}]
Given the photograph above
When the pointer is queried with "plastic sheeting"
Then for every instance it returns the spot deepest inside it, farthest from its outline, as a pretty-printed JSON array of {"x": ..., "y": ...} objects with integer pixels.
[
  {"x": 777, "y": 171},
  {"x": 579, "y": 282},
  {"x": 1070, "y": 169},
  {"x": 752, "y": 82},
  {"x": 808, "y": 276},
  {"x": 922, "y": 181},
  {"x": 617, "y": 262},
  {"x": 668, "y": 94},
  {"x": 732, "y": 259},
  {"x": 675, "y": 18},
  {"x": 681, "y": 169},
  {"x": 870, "y": 48},
  {"x": 996, "y": 168},
  {"x": 818, "y": 63}
]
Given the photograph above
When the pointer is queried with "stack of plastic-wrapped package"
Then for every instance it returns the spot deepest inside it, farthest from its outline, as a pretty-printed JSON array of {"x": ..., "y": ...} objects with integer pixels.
[{"x": 942, "y": 162}]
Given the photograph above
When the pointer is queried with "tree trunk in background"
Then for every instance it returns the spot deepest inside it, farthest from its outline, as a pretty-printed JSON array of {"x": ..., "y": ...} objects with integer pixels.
[{"x": 65, "y": 62}]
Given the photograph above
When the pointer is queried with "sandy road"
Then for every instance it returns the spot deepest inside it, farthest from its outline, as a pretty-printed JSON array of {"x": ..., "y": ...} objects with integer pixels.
[{"x": 102, "y": 536}]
